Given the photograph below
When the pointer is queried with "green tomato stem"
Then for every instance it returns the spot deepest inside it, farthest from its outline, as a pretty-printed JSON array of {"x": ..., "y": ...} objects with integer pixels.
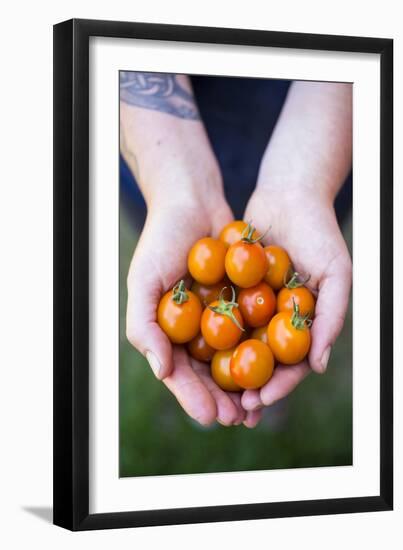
[
  {"x": 247, "y": 234},
  {"x": 298, "y": 321},
  {"x": 226, "y": 308},
  {"x": 179, "y": 294},
  {"x": 294, "y": 282}
]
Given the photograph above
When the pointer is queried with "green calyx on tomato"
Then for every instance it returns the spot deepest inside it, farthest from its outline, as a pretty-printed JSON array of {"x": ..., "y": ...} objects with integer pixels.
[
  {"x": 298, "y": 321},
  {"x": 247, "y": 234},
  {"x": 226, "y": 308},
  {"x": 179, "y": 294},
  {"x": 294, "y": 281}
]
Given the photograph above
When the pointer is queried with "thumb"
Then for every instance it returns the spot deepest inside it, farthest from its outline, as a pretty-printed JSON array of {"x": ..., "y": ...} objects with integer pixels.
[{"x": 330, "y": 312}]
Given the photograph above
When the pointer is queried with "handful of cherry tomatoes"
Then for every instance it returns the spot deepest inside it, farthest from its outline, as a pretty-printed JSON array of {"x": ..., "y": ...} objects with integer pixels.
[{"x": 245, "y": 311}]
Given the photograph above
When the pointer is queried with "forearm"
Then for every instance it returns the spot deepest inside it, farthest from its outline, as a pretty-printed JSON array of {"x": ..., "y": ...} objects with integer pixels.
[
  {"x": 162, "y": 137},
  {"x": 311, "y": 147}
]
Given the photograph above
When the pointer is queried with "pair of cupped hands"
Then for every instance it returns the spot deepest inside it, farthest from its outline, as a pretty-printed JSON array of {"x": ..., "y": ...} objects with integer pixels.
[{"x": 302, "y": 222}]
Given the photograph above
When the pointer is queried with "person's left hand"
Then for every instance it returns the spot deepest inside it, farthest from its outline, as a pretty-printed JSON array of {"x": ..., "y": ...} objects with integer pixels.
[{"x": 305, "y": 225}]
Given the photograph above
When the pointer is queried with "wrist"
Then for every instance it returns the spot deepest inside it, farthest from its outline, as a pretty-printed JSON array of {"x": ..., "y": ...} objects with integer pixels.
[
  {"x": 296, "y": 177},
  {"x": 184, "y": 187},
  {"x": 182, "y": 183},
  {"x": 292, "y": 189},
  {"x": 283, "y": 210},
  {"x": 180, "y": 168}
]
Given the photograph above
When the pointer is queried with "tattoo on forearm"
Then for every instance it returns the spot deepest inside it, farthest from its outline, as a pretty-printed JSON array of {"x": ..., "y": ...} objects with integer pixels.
[{"x": 158, "y": 92}]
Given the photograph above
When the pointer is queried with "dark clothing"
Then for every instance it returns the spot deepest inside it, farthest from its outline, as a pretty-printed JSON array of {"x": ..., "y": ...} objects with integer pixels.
[{"x": 239, "y": 115}]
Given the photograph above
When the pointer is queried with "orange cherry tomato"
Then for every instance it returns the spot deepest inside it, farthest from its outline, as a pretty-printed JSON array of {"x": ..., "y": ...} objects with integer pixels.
[
  {"x": 260, "y": 333},
  {"x": 295, "y": 293},
  {"x": 279, "y": 265},
  {"x": 222, "y": 324},
  {"x": 179, "y": 313},
  {"x": 200, "y": 350},
  {"x": 252, "y": 364},
  {"x": 220, "y": 370},
  {"x": 206, "y": 261},
  {"x": 233, "y": 232},
  {"x": 245, "y": 262},
  {"x": 257, "y": 304},
  {"x": 211, "y": 293},
  {"x": 289, "y": 337},
  {"x": 302, "y": 296}
]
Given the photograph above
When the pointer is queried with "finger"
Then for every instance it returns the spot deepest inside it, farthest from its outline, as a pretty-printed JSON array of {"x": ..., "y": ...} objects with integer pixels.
[
  {"x": 251, "y": 400},
  {"x": 283, "y": 382},
  {"x": 192, "y": 394},
  {"x": 227, "y": 412},
  {"x": 150, "y": 340},
  {"x": 236, "y": 398},
  {"x": 330, "y": 312},
  {"x": 142, "y": 329},
  {"x": 253, "y": 418}
]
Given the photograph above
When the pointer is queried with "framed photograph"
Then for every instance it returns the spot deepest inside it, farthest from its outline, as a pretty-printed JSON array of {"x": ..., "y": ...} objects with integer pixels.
[{"x": 223, "y": 274}]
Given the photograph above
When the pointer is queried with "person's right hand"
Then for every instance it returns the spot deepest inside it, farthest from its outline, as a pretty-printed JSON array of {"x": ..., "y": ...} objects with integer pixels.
[{"x": 173, "y": 225}]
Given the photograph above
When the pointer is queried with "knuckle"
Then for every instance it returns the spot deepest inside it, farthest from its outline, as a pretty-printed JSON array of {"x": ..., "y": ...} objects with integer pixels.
[
  {"x": 338, "y": 323},
  {"x": 131, "y": 335},
  {"x": 346, "y": 268}
]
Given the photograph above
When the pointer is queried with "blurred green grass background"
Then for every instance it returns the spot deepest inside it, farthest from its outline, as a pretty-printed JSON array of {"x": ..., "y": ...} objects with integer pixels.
[{"x": 310, "y": 428}]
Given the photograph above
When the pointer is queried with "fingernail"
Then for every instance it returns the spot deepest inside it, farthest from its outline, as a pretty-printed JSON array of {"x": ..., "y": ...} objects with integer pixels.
[
  {"x": 257, "y": 407},
  {"x": 325, "y": 358},
  {"x": 154, "y": 363},
  {"x": 247, "y": 425}
]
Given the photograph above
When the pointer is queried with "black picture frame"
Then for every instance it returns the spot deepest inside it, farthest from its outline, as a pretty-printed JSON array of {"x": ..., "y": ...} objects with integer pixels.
[{"x": 71, "y": 274}]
